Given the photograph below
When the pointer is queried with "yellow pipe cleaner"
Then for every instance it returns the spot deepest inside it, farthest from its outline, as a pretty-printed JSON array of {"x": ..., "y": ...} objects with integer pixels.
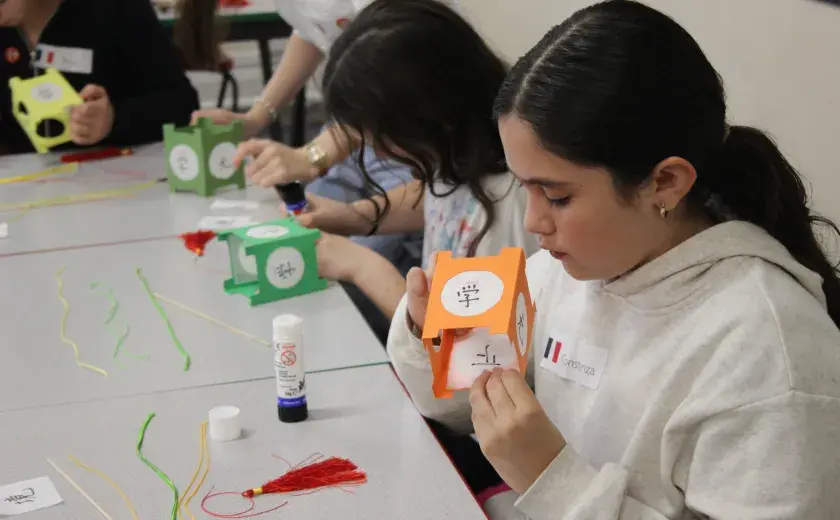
[
  {"x": 63, "y": 327},
  {"x": 211, "y": 319},
  {"x": 202, "y": 451},
  {"x": 75, "y": 198},
  {"x": 17, "y": 217},
  {"x": 110, "y": 481},
  {"x": 55, "y": 170},
  {"x": 81, "y": 491}
]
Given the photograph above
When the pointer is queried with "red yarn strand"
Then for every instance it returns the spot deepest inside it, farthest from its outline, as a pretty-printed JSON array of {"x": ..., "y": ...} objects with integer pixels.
[
  {"x": 241, "y": 514},
  {"x": 315, "y": 457}
]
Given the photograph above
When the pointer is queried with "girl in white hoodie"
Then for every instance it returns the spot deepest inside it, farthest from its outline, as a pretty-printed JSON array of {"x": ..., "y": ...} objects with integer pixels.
[{"x": 686, "y": 353}]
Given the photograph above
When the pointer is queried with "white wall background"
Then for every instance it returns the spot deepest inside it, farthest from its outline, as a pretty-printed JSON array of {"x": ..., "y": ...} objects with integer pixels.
[
  {"x": 248, "y": 75},
  {"x": 780, "y": 61}
]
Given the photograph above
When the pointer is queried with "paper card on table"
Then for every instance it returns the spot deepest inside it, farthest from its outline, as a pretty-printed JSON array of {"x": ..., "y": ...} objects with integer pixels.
[
  {"x": 4, "y": 229},
  {"x": 488, "y": 296},
  {"x": 225, "y": 222},
  {"x": 235, "y": 204},
  {"x": 26, "y": 496}
]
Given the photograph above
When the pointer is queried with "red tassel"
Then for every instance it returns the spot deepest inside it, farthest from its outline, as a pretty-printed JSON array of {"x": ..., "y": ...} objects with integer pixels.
[
  {"x": 332, "y": 472},
  {"x": 196, "y": 241}
]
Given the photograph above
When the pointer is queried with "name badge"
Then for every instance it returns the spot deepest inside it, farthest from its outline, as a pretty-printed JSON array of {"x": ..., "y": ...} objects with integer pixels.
[
  {"x": 584, "y": 364},
  {"x": 66, "y": 59}
]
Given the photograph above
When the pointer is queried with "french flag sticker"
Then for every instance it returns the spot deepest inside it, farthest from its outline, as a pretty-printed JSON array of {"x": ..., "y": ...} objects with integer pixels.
[
  {"x": 552, "y": 350},
  {"x": 579, "y": 362}
]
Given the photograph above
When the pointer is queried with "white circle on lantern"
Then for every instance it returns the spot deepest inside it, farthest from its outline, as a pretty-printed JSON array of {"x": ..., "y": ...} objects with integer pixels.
[
  {"x": 246, "y": 261},
  {"x": 221, "y": 160},
  {"x": 521, "y": 324},
  {"x": 284, "y": 267},
  {"x": 471, "y": 293},
  {"x": 183, "y": 161},
  {"x": 478, "y": 352},
  {"x": 267, "y": 231},
  {"x": 46, "y": 92}
]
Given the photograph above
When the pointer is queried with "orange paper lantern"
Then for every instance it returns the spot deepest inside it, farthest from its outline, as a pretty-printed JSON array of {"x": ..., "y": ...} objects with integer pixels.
[{"x": 489, "y": 297}]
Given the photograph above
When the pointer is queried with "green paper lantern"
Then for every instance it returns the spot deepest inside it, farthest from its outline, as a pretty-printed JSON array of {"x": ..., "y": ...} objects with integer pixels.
[
  {"x": 272, "y": 261},
  {"x": 199, "y": 158}
]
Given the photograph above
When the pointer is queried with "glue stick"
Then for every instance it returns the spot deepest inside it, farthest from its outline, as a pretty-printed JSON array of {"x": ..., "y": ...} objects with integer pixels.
[
  {"x": 294, "y": 197},
  {"x": 288, "y": 368}
]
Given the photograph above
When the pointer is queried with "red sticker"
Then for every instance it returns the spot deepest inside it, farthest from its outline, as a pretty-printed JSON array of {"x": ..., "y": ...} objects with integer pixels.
[
  {"x": 288, "y": 358},
  {"x": 342, "y": 23},
  {"x": 12, "y": 55}
]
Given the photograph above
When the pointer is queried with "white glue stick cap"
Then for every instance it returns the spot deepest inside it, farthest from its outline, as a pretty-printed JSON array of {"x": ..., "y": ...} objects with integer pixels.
[
  {"x": 287, "y": 328},
  {"x": 224, "y": 423}
]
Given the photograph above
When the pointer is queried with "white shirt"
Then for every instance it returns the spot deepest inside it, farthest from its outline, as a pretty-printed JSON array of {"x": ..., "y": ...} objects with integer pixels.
[{"x": 321, "y": 22}]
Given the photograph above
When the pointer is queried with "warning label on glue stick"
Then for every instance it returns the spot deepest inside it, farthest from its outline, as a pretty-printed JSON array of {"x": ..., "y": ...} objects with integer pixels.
[{"x": 291, "y": 379}]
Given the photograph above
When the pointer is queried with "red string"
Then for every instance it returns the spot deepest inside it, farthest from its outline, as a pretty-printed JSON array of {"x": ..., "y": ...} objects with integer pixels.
[
  {"x": 211, "y": 269},
  {"x": 308, "y": 460},
  {"x": 241, "y": 514}
]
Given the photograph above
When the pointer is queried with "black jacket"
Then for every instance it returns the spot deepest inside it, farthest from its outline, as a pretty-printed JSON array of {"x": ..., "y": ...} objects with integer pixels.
[{"x": 133, "y": 59}]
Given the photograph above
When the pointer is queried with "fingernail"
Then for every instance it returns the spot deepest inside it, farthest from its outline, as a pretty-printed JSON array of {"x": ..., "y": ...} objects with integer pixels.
[{"x": 417, "y": 285}]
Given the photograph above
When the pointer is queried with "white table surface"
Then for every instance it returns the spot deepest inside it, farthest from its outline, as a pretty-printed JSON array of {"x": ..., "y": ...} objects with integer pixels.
[
  {"x": 37, "y": 368},
  {"x": 360, "y": 414},
  {"x": 150, "y": 213}
]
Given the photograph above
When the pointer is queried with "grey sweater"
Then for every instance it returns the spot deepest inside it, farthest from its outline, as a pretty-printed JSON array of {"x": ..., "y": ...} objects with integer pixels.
[{"x": 705, "y": 384}]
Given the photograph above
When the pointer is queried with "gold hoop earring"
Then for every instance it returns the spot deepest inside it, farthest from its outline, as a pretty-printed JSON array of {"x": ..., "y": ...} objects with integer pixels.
[{"x": 663, "y": 210}]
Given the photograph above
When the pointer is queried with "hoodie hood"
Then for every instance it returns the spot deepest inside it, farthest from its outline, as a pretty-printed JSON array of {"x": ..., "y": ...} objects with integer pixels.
[{"x": 722, "y": 250}]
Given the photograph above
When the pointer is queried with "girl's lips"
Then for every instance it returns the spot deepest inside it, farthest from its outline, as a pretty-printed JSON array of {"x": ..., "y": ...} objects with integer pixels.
[{"x": 557, "y": 255}]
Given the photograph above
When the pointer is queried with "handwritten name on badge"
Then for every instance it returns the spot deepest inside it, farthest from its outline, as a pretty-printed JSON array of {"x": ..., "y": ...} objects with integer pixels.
[
  {"x": 583, "y": 364},
  {"x": 66, "y": 59},
  {"x": 26, "y": 496}
]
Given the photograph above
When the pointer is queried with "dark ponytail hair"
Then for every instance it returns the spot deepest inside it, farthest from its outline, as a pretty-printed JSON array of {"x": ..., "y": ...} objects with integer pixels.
[
  {"x": 623, "y": 86},
  {"x": 767, "y": 191},
  {"x": 418, "y": 80},
  {"x": 197, "y": 34}
]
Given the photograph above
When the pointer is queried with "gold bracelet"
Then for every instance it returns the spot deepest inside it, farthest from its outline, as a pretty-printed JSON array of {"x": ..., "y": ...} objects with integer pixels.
[{"x": 317, "y": 157}]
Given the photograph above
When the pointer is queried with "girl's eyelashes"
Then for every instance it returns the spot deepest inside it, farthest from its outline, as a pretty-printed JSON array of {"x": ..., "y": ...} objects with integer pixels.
[
  {"x": 559, "y": 202},
  {"x": 556, "y": 202}
]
